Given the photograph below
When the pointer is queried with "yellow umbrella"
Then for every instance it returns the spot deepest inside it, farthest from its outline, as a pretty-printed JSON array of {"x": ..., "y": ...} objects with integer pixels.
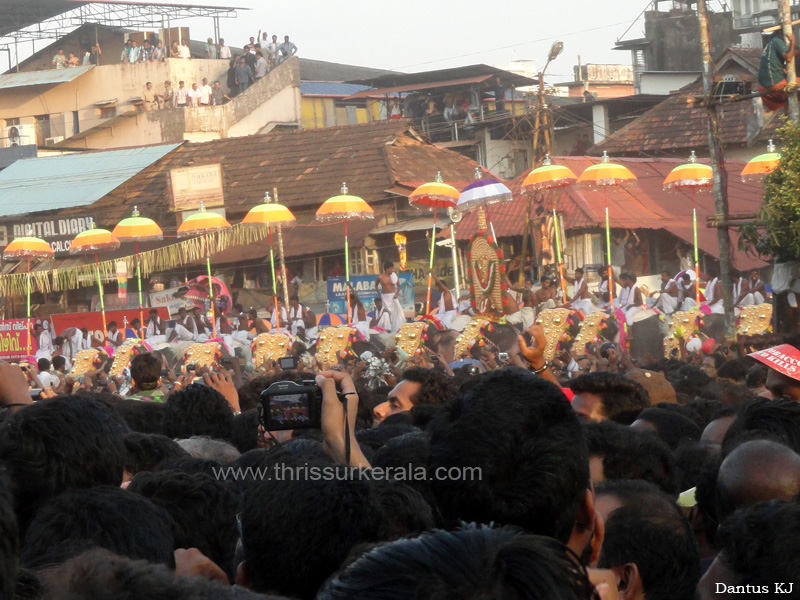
[
  {"x": 28, "y": 247},
  {"x": 138, "y": 229},
  {"x": 94, "y": 240},
  {"x": 605, "y": 174},
  {"x": 435, "y": 194},
  {"x": 203, "y": 223},
  {"x": 762, "y": 164},
  {"x": 345, "y": 207},
  {"x": 697, "y": 177},
  {"x": 551, "y": 177},
  {"x": 266, "y": 215}
]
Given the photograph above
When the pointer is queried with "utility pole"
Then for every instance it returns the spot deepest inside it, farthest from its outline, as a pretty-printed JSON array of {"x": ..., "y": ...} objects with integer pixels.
[
  {"x": 791, "y": 75},
  {"x": 720, "y": 175}
]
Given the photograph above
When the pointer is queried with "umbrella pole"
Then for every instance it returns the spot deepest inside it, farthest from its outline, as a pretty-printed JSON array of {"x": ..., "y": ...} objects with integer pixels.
[
  {"x": 139, "y": 277},
  {"x": 100, "y": 292},
  {"x": 430, "y": 265},
  {"x": 27, "y": 357},
  {"x": 454, "y": 251},
  {"x": 562, "y": 280},
  {"x": 608, "y": 256},
  {"x": 274, "y": 283},
  {"x": 696, "y": 251},
  {"x": 210, "y": 289},
  {"x": 347, "y": 273}
]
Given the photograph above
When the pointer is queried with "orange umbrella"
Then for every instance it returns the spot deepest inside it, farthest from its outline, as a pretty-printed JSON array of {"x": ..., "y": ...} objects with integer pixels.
[
  {"x": 697, "y": 177},
  {"x": 605, "y": 174},
  {"x": 435, "y": 194},
  {"x": 345, "y": 207},
  {"x": 94, "y": 240},
  {"x": 203, "y": 223},
  {"x": 266, "y": 215},
  {"x": 762, "y": 164},
  {"x": 551, "y": 177},
  {"x": 28, "y": 247},
  {"x": 138, "y": 229}
]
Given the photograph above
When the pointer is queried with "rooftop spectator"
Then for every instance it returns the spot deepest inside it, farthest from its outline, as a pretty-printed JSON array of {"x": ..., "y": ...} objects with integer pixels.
[
  {"x": 205, "y": 93},
  {"x": 193, "y": 95},
  {"x": 174, "y": 50},
  {"x": 287, "y": 49},
  {"x": 149, "y": 97},
  {"x": 243, "y": 75},
  {"x": 218, "y": 96},
  {"x": 183, "y": 49},
  {"x": 60, "y": 60},
  {"x": 211, "y": 49},
  {"x": 224, "y": 51},
  {"x": 158, "y": 52},
  {"x": 181, "y": 95},
  {"x": 261, "y": 66}
]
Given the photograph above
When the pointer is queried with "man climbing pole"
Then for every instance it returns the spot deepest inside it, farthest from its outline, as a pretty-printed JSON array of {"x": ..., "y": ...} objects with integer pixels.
[{"x": 772, "y": 70}]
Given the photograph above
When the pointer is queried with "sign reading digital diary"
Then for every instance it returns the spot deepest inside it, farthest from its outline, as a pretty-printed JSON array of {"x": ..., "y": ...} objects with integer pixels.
[
  {"x": 13, "y": 339},
  {"x": 784, "y": 359},
  {"x": 192, "y": 185}
]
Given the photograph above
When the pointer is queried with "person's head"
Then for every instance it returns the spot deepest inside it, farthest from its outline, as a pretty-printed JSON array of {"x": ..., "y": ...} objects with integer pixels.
[
  {"x": 734, "y": 371},
  {"x": 711, "y": 363},
  {"x": 205, "y": 80},
  {"x": 578, "y": 273},
  {"x": 107, "y": 516},
  {"x": 670, "y": 425},
  {"x": 687, "y": 279},
  {"x": 61, "y": 51},
  {"x": 545, "y": 281},
  {"x": 184, "y": 41},
  {"x": 194, "y": 85},
  {"x": 519, "y": 432},
  {"x": 627, "y": 279},
  {"x": 38, "y": 328},
  {"x": 146, "y": 371},
  {"x": 777, "y": 420},
  {"x": 175, "y": 43},
  {"x": 470, "y": 563},
  {"x": 259, "y": 54},
  {"x": 197, "y": 410},
  {"x": 252, "y": 39},
  {"x": 42, "y": 365},
  {"x": 665, "y": 276},
  {"x": 201, "y": 446},
  {"x": 112, "y": 326},
  {"x": 134, "y": 44},
  {"x": 136, "y": 324},
  {"x": 60, "y": 364},
  {"x": 181, "y": 312},
  {"x": 9, "y": 540},
  {"x": 605, "y": 395},
  {"x": 203, "y": 508},
  {"x": 59, "y": 444},
  {"x": 221, "y": 41},
  {"x": 296, "y": 533},
  {"x": 754, "y": 472},
  {"x": 648, "y": 543},
  {"x": 286, "y": 38},
  {"x": 294, "y": 301},
  {"x": 210, "y": 40},
  {"x": 754, "y": 275},
  {"x": 160, "y": 44},
  {"x": 378, "y": 303},
  {"x": 388, "y": 267},
  {"x": 783, "y": 386},
  {"x": 416, "y": 386},
  {"x": 274, "y": 38},
  {"x": 216, "y": 87},
  {"x": 181, "y": 84}
]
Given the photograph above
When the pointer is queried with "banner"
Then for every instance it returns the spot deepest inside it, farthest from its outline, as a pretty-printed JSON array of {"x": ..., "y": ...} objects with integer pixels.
[
  {"x": 365, "y": 288},
  {"x": 93, "y": 321},
  {"x": 170, "y": 299},
  {"x": 13, "y": 339},
  {"x": 190, "y": 186},
  {"x": 784, "y": 359}
]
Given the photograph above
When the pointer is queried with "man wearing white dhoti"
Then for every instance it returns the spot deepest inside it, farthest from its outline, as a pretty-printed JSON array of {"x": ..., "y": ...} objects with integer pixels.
[
  {"x": 387, "y": 284},
  {"x": 580, "y": 299},
  {"x": 667, "y": 301},
  {"x": 630, "y": 297}
]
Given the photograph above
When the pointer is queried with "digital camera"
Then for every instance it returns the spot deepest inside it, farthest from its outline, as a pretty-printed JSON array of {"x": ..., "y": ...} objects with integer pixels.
[{"x": 288, "y": 405}]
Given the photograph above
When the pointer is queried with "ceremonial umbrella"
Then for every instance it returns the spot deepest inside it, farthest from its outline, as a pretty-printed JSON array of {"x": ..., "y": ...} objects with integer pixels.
[
  {"x": 697, "y": 177},
  {"x": 95, "y": 240},
  {"x": 762, "y": 164},
  {"x": 605, "y": 174},
  {"x": 203, "y": 223},
  {"x": 28, "y": 247},
  {"x": 435, "y": 194},
  {"x": 266, "y": 215},
  {"x": 345, "y": 207},
  {"x": 138, "y": 229},
  {"x": 481, "y": 193},
  {"x": 551, "y": 177}
]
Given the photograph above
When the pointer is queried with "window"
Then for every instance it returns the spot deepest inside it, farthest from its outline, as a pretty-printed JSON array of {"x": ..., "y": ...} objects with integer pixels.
[
  {"x": 42, "y": 129},
  {"x": 107, "y": 112},
  {"x": 76, "y": 123},
  {"x": 14, "y": 121},
  {"x": 364, "y": 262}
]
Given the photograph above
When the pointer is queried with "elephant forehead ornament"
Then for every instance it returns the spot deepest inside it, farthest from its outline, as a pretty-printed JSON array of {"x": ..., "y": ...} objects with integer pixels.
[
  {"x": 470, "y": 333},
  {"x": 205, "y": 354},
  {"x": 555, "y": 322},
  {"x": 410, "y": 337},
  {"x": 335, "y": 343},
  {"x": 83, "y": 361},
  {"x": 754, "y": 320},
  {"x": 270, "y": 346}
]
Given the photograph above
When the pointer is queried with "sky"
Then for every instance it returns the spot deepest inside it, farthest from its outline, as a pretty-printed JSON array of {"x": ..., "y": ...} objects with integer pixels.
[{"x": 420, "y": 35}]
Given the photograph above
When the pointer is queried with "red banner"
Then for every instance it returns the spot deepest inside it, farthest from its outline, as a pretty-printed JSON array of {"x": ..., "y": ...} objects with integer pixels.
[
  {"x": 13, "y": 339},
  {"x": 93, "y": 321},
  {"x": 784, "y": 359}
]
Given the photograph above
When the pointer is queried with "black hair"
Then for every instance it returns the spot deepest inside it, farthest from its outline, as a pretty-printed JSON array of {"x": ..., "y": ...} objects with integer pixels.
[
  {"x": 527, "y": 445},
  {"x": 778, "y": 420},
  {"x": 146, "y": 370},
  {"x": 409, "y": 452},
  {"x": 59, "y": 362},
  {"x": 110, "y": 517},
  {"x": 650, "y": 531},
  {"x": 144, "y": 417},
  {"x": 190, "y": 464},
  {"x": 623, "y": 398},
  {"x": 376, "y": 437},
  {"x": 756, "y": 377},
  {"x": 112, "y": 324},
  {"x": 631, "y": 454},
  {"x": 435, "y": 386},
  {"x": 296, "y": 533},
  {"x": 735, "y": 369},
  {"x": 731, "y": 394},
  {"x": 203, "y": 508},
  {"x": 294, "y": 297},
  {"x": 387, "y": 264},
  {"x": 43, "y": 364},
  {"x": 250, "y": 392},
  {"x": 671, "y": 426},
  {"x": 9, "y": 541},
  {"x": 756, "y": 544},
  {"x": 404, "y": 511},
  {"x": 244, "y": 430},
  {"x": 58, "y": 444},
  {"x": 144, "y": 451},
  {"x": 471, "y": 563},
  {"x": 153, "y": 311},
  {"x": 197, "y": 410}
]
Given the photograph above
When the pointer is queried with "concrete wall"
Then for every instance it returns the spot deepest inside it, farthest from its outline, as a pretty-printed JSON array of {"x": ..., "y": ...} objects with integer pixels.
[
  {"x": 664, "y": 83},
  {"x": 675, "y": 39}
]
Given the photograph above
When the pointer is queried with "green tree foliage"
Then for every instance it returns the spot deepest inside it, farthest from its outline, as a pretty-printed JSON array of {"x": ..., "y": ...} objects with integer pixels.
[{"x": 778, "y": 233}]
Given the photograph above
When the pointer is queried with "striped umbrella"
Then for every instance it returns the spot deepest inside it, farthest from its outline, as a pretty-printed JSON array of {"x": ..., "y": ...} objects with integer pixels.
[
  {"x": 138, "y": 229},
  {"x": 481, "y": 193},
  {"x": 203, "y": 223},
  {"x": 761, "y": 165},
  {"x": 697, "y": 177},
  {"x": 345, "y": 207},
  {"x": 28, "y": 247},
  {"x": 329, "y": 319},
  {"x": 266, "y": 215},
  {"x": 605, "y": 174},
  {"x": 435, "y": 194},
  {"x": 94, "y": 240},
  {"x": 551, "y": 177}
]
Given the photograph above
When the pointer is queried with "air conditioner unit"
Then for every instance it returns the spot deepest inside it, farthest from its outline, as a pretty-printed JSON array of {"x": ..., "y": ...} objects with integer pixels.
[
  {"x": 19, "y": 135},
  {"x": 52, "y": 141}
]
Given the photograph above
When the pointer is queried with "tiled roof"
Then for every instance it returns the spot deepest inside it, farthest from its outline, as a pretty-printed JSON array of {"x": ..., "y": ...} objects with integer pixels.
[
  {"x": 643, "y": 206},
  {"x": 330, "y": 88}
]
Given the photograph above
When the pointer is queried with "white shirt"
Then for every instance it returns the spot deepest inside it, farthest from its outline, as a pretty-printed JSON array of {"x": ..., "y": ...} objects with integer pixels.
[
  {"x": 194, "y": 96},
  {"x": 114, "y": 337},
  {"x": 205, "y": 94},
  {"x": 224, "y": 52},
  {"x": 48, "y": 379},
  {"x": 274, "y": 318},
  {"x": 151, "y": 327},
  {"x": 184, "y": 52}
]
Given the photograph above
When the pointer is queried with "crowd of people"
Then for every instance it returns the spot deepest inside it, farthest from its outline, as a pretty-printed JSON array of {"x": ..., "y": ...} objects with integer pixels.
[{"x": 426, "y": 475}]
